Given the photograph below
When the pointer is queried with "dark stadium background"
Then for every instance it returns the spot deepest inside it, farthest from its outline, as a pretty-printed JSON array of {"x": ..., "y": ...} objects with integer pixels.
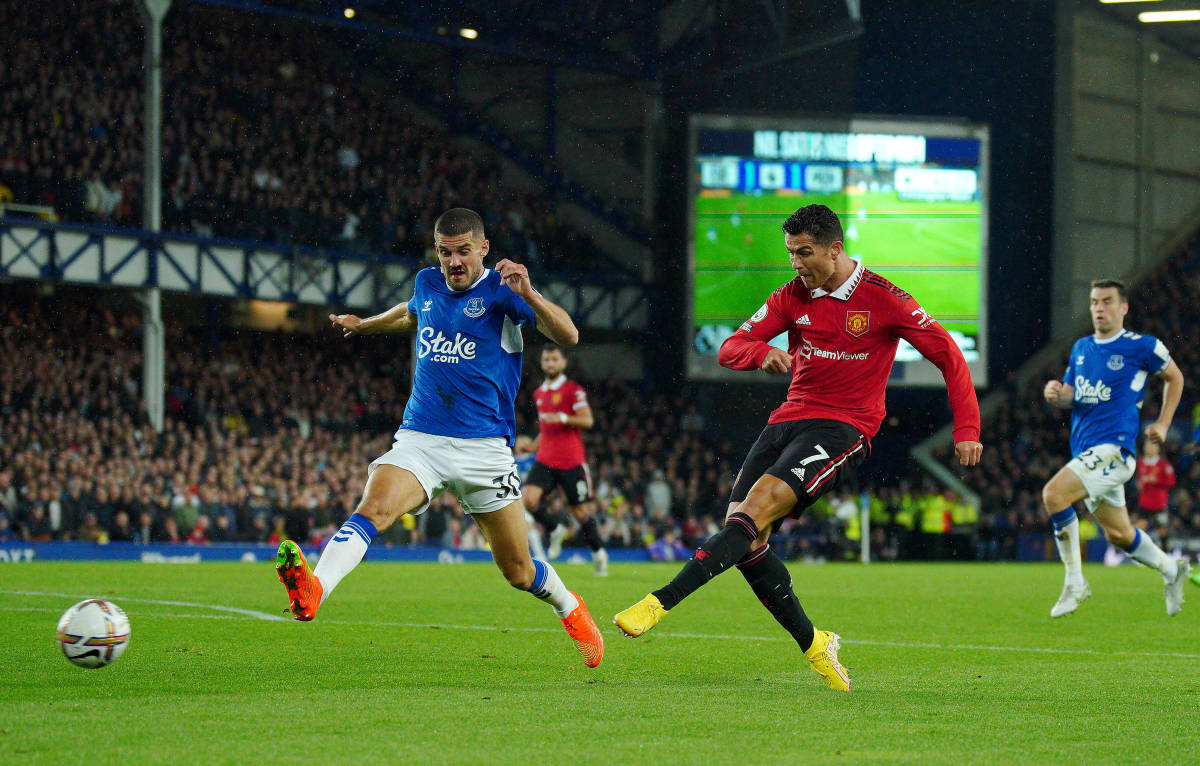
[{"x": 991, "y": 63}]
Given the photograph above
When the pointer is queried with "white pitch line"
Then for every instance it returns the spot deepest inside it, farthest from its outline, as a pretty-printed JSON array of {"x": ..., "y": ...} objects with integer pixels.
[
  {"x": 45, "y": 610},
  {"x": 665, "y": 634},
  {"x": 233, "y": 609}
]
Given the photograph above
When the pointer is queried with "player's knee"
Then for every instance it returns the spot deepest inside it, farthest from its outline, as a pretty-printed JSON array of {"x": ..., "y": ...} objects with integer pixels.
[
  {"x": 766, "y": 504},
  {"x": 376, "y": 512},
  {"x": 530, "y": 497},
  {"x": 1119, "y": 536},
  {"x": 1052, "y": 500},
  {"x": 518, "y": 573}
]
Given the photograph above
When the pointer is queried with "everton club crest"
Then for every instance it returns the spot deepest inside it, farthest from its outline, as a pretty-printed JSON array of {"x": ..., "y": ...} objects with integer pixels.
[
  {"x": 1116, "y": 362},
  {"x": 474, "y": 308},
  {"x": 858, "y": 322}
]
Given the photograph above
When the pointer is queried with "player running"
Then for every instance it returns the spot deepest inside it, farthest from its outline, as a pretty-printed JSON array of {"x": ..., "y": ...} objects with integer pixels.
[
  {"x": 1104, "y": 386},
  {"x": 843, "y": 324},
  {"x": 563, "y": 411},
  {"x": 458, "y": 425}
]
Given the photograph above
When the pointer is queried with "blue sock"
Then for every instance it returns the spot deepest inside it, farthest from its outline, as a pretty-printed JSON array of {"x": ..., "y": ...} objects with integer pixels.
[
  {"x": 1137, "y": 540},
  {"x": 1061, "y": 519},
  {"x": 359, "y": 525}
]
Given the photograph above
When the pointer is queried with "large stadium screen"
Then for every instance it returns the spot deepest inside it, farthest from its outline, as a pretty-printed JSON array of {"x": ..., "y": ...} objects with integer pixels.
[{"x": 912, "y": 197}]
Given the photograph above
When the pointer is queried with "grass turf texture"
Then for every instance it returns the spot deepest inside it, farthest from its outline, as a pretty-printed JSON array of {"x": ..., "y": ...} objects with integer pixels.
[
  {"x": 426, "y": 663},
  {"x": 931, "y": 249}
]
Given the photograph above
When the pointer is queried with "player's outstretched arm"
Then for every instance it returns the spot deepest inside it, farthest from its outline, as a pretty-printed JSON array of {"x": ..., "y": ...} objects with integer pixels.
[
  {"x": 395, "y": 319},
  {"x": 916, "y": 326},
  {"x": 552, "y": 321},
  {"x": 1172, "y": 392}
]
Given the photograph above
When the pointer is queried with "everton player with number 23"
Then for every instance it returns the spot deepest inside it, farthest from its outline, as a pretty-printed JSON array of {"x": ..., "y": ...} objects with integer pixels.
[
  {"x": 843, "y": 324},
  {"x": 1104, "y": 386}
]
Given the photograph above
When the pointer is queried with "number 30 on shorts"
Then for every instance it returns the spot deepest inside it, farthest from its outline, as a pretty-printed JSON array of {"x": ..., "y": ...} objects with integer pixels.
[{"x": 510, "y": 485}]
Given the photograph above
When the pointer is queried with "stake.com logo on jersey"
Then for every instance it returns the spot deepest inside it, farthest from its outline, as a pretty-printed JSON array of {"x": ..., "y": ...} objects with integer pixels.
[{"x": 442, "y": 348}]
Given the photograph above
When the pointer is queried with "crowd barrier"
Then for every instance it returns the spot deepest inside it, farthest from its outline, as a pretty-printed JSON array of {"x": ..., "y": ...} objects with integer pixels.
[{"x": 22, "y": 552}]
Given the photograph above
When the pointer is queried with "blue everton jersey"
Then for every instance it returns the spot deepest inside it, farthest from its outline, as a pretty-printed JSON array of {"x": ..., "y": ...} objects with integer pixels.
[
  {"x": 468, "y": 356},
  {"x": 1109, "y": 377}
]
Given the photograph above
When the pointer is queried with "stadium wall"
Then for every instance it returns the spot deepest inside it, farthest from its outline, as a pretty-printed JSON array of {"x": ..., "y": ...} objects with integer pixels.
[
  {"x": 16, "y": 552},
  {"x": 1127, "y": 124}
]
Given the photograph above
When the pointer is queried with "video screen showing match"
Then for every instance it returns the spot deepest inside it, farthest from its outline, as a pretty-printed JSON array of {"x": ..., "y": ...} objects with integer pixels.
[{"x": 912, "y": 197}]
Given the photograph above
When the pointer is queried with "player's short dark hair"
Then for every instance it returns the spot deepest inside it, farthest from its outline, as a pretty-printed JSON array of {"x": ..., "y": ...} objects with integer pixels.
[
  {"x": 1116, "y": 283},
  {"x": 817, "y": 221},
  {"x": 554, "y": 347},
  {"x": 458, "y": 220}
]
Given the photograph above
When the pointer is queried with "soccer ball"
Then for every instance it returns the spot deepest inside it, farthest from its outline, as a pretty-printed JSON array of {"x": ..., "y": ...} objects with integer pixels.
[{"x": 93, "y": 633}]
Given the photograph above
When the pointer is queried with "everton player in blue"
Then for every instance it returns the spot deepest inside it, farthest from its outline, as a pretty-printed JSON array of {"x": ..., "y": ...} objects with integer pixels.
[
  {"x": 1103, "y": 387},
  {"x": 458, "y": 426}
]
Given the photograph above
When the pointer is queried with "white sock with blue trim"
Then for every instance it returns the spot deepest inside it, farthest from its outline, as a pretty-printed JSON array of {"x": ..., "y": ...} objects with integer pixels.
[
  {"x": 343, "y": 552},
  {"x": 1066, "y": 537},
  {"x": 1144, "y": 550},
  {"x": 549, "y": 588}
]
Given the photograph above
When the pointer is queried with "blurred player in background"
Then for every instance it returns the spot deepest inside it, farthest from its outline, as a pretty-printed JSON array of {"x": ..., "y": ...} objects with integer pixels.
[
  {"x": 843, "y": 324},
  {"x": 563, "y": 411},
  {"x": 458, "y": 426},
  {"x": 524, "y": 456},
  {"x": 1104, "y": 386}
]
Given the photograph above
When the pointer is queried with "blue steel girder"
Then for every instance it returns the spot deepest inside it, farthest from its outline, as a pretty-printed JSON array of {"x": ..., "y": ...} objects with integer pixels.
[
  {"x": 26, "y": 250},
  {"x": 227, "y": 268}
]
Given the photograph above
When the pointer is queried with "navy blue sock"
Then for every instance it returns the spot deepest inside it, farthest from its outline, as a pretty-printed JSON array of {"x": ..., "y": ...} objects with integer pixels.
[
  {"x": 717, "y": 554},
  {"x": 768, "y": 576}
]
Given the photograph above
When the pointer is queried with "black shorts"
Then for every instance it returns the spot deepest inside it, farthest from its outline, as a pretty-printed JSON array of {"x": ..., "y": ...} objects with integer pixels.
[
  {"x": 576, "y": 482},
  {"x": 810, "y": 456}
]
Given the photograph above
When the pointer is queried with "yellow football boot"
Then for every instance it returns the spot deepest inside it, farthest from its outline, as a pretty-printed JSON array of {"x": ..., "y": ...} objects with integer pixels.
[{"x": 640, "y": 617}]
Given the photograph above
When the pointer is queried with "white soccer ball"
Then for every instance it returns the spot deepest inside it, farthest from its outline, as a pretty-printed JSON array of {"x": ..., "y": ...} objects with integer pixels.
[{"x": 93, "y": 633}]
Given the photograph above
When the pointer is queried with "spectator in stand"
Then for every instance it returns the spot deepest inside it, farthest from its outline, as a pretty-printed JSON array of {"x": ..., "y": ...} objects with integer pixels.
[
  {"x": 121, "y": 530},
  {"x": 668, "y": 547},
  {"x": 262, "y": 140}
]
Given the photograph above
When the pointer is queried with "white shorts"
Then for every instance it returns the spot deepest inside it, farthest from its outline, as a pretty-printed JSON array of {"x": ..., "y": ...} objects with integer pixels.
[
  {"x": 1103, "y": 470},
  {"x": 481, "y": 472}
]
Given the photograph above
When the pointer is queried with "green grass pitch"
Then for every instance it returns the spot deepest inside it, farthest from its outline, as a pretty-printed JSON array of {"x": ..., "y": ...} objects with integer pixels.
[
  {"x": 931, "y": 249},
  {"x": 416, "y": 663}
]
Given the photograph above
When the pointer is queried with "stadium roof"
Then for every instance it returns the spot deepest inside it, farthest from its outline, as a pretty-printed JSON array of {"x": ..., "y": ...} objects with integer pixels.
[{"x": 640, "y": 38}]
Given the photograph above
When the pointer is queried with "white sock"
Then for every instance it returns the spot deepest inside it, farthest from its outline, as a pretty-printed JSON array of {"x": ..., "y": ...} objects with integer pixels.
[
  {"x": 343, "y": 552},
  {"x": 1145, "y": 551},
  {"x": 549, "y": 588},
  {"x": 1066, "y": 537}
]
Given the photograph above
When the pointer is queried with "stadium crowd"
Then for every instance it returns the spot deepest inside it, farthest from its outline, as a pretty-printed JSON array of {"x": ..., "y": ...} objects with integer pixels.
[
  {"x": 261, "y": 140},
  {"x": 267, "y": 435}
]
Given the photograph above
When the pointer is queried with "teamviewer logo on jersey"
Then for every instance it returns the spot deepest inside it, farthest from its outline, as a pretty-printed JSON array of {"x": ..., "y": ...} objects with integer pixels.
[{"x": 474, "y": 308}]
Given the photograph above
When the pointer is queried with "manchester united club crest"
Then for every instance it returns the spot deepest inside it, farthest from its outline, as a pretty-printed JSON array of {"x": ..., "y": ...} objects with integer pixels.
[
  {"x": 858, "y": 322},
  {"x": 555, "y": 398}
]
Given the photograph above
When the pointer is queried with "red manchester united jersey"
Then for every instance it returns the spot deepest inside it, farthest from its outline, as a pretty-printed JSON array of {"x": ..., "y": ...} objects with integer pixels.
[
  {"x": 843, "y": 344},
  {"x": 560, "y": 445}
]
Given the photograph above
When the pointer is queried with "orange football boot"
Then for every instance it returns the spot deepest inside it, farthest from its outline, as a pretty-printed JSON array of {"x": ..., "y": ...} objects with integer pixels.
[
  {"x": 303, "y": 588},
  {"x": 582, "y": 629}
]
